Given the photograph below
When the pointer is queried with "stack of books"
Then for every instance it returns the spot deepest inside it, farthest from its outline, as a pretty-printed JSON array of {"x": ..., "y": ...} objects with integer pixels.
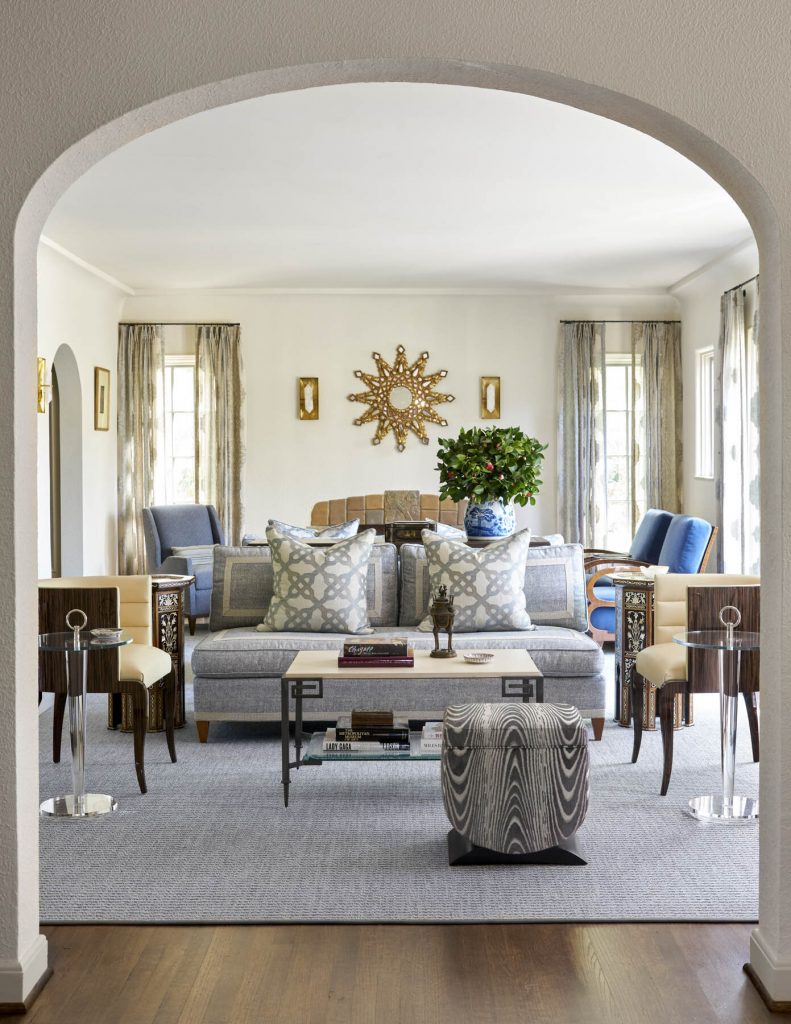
[
  {"x": 376, "y": 652},
  {"x": 368, "y": 732},
  {"x": 431, "y": 738}
]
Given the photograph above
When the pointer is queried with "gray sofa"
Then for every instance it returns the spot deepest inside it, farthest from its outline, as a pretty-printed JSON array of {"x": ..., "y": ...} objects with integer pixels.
[{"x": 237, "y": 669}]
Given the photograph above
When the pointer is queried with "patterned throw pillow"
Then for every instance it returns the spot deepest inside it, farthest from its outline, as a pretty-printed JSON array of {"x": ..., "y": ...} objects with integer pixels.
[
  {"x": 319, "y": 590},
  {"x": 487, "y": 583},
  {"x": 339, "y": 532},
  {"x": 201, "y": 554}
]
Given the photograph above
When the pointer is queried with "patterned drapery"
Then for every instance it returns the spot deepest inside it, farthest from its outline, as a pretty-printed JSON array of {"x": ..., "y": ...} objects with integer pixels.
[
  {"x": 219, "y": 401},
  {"x": 657, "y": 346},
  {"x": 581, "y": 485},
  {"x": 141, "y": 395},
  {"x": 738, "y": 470}
]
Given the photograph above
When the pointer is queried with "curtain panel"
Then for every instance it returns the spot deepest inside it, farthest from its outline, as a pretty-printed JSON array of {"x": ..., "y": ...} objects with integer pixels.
[
  {"x": 219, "y": 399},
  {"x": 581, "y": 485},
  {"x": 141, "y": 396},
  {"x": 738, "y": 473},
  {"x": 657, "y": 347}
]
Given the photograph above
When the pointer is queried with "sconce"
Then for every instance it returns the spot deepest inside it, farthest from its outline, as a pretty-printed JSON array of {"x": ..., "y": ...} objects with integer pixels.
[
  {"x": 41, "y": 393},
  {"x": 308, "y": 398},
  {"x": 490, "y": 398}
]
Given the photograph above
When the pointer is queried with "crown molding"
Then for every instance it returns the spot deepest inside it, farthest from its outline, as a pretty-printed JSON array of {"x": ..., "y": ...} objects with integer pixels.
[
  {"x": 545, "y": 290},
  {"x": 695, "y": 274},
  {"x": 85, "y": 265}
]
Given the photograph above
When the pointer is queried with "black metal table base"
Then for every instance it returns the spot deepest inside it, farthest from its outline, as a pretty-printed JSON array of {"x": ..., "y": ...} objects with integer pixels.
[
  {"x": 531, "y": 687},
  {"x": 463, "y": 853}
]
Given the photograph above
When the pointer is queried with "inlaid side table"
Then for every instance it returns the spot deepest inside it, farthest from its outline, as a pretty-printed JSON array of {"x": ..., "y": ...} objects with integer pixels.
[
  {"x": 167, "y": 629},
  {"x": 634, "y": 630}
]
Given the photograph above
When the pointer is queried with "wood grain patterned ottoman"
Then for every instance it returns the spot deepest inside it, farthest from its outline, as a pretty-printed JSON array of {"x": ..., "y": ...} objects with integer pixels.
[{"x": 515, "y": 782}]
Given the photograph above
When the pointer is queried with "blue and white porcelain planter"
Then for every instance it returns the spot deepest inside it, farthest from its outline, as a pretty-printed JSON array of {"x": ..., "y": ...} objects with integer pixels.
[{"x": 490, "y": 519}]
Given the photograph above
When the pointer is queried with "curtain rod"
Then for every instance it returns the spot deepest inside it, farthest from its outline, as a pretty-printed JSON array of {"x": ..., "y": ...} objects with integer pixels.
[
  {"x": 175, "y": 323},
  {"x": 620, "y": 321},
  {"x": 736, "y": 287}
]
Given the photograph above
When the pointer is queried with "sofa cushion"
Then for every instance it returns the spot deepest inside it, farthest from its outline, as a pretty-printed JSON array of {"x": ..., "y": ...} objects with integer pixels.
[
  {"x": 243, "y": 586},
  {"x": 245, "y": 653},
  {"x": 339, "y": 532},
  {"x": 322, "y": 590},
  {"x": 486, "y": 583},
  {"x": 554, "y": 586}
]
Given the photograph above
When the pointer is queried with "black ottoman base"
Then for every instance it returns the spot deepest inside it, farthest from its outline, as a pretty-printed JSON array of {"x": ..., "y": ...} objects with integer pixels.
[{"x": 463, "y": 853}]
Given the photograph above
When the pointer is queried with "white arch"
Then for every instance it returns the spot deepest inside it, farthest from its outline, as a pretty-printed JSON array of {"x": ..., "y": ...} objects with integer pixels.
[{"x": 722, "y": 165}]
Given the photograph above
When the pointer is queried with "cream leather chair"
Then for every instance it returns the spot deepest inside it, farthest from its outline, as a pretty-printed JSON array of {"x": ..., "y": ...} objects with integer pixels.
[
  {"x": 665, "y": 664},
  {"x": 130, "y": 670}
]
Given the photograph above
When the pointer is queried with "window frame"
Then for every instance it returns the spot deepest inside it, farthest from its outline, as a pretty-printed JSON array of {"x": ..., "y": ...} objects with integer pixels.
[{"x": 174, "y": 361}]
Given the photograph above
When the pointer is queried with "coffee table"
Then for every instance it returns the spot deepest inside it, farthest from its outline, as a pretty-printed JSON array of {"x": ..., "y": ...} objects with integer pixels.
[{"x": 311, "y": 670}]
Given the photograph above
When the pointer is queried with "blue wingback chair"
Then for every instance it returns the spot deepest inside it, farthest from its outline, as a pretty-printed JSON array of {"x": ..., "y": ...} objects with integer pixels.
[
  {"x": 685, "y": 547},
  {"x": 171, "y": 526}
]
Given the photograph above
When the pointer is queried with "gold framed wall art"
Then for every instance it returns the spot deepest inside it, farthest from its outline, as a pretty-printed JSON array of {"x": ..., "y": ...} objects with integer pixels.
[
  {"x": 308, "y": 398},
  {"x": 490, "y": 398},
  {"x": 101, "y": 398}
]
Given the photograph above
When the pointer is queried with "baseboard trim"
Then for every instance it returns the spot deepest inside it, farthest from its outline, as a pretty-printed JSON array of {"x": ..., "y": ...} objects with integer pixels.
[
  {"x": 22, "y": 980},
  {"x": 15, "y": 1009},
  {"x": 774, "y": 1005}
]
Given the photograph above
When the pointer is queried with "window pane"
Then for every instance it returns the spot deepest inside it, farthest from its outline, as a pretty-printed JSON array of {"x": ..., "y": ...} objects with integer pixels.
[
  {"x": 619, "y": 533},
  {"x": 617, "y": 434},
  {"x": 616, "y": 387},
  {"x": 618, "y": 479},
  {"x": 183, "y": 388},
  {"x": 184, "y": 434},
  {"x": 183, "y": 480}
]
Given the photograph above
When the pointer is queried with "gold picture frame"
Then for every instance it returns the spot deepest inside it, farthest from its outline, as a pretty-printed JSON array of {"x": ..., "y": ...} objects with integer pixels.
[
  {"x": 401, "y": 398},
  {"x": 101, "y": 398},
  {"x": 308, "y": 405},
  {"x": 490, "y": 398}
]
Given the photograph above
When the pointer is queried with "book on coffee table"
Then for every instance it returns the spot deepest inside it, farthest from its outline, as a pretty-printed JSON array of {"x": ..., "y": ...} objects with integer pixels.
[{"x": 375, "y": 647}]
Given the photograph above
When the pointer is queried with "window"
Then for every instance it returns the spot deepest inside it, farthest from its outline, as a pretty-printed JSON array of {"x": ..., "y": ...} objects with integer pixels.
[
  {"x": 624, "y": 475},
  {"x": 179, "y": 460},
  {"x": 704, "y": 414}
]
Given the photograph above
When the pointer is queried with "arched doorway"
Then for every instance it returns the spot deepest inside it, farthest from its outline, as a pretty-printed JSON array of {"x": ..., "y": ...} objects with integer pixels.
[
  {"x": 708, "y": 154},
  {"x": 65, "y": 433}
]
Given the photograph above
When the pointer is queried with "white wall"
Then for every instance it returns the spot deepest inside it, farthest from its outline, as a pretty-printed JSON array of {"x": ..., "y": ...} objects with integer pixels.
[
  {"x": 699, "y": 299},
  {"x": 292, "y": 464},
  {"x": 80, "y": 309}
]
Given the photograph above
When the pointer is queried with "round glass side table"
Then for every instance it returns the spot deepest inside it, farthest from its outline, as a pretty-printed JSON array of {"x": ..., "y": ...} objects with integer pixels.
[
  {"x": 729, "y": 645},
  {"x": 76, "y": 647}
]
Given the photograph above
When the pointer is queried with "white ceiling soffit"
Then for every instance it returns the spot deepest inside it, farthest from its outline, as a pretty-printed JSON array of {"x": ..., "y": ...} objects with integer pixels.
[{"x": 396, "y": 186}]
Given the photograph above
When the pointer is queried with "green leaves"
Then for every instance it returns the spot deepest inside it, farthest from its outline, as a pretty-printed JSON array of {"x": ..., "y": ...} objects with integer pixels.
[{"x": 484, "y": 464}]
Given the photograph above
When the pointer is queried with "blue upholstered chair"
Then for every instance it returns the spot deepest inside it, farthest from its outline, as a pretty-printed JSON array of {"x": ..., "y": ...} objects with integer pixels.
[
  {"x": 685, "y": 548},
  {"x": 184, "y": 526}
]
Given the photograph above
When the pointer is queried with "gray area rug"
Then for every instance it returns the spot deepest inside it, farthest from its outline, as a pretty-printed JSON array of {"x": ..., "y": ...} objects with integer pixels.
[{"x": 212, "y": 842}]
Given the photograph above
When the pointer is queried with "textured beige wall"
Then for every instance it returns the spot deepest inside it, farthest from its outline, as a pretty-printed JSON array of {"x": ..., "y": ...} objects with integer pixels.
[{"x": 709, "y": 78}]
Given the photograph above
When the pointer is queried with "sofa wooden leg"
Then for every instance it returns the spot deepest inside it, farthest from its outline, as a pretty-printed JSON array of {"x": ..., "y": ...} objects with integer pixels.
[
  {"x": 638, "y": 690},
  {"x": 139, "y": 727},
  {"x": 598, "y": 728},
  {"x": 58, "y": 711},
  {"x": 666, "y": 701},
  {"x": 191, "y": 622},
  {"x": 203, "y": 731},
  {"x": 751, "y": 703}
]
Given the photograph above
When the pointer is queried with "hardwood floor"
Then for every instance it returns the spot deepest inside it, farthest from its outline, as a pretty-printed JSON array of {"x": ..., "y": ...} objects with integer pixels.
[{"x": 399, "y": 974}]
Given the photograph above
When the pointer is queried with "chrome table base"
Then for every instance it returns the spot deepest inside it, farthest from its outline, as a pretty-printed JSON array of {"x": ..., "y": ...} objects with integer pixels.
[
  {"x": 90, "y": 806},
  {"x": 714, "y": 808}
]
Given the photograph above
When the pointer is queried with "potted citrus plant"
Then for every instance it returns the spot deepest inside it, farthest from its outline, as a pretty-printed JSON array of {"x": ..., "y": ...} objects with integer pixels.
[{"x": 492, "y": 468}]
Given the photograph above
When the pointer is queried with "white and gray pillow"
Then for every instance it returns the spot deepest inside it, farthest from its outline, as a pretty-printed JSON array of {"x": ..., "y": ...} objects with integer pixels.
[
  {"x": 487, "y": 583},
  {"x": 319, "y": 590},
  {"x": 339, "y": 532},
  {"x": 200, "y": 554}
]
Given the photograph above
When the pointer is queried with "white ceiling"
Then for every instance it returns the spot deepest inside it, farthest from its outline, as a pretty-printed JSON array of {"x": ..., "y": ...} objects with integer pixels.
[{"x": 396, "y": 186}]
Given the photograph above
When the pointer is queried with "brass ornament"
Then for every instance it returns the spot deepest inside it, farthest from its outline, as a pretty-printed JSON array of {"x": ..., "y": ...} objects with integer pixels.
[{"x": 401, "y": 397}]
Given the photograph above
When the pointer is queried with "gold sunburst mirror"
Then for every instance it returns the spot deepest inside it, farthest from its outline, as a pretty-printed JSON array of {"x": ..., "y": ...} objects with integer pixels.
[{"x": 401, "y": 397}]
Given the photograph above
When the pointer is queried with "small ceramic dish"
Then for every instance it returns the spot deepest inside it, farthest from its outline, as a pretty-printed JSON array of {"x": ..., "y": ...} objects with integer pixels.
[
  {"x": 477, "y": 657},
  {"x": 652, "y": 571}
]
